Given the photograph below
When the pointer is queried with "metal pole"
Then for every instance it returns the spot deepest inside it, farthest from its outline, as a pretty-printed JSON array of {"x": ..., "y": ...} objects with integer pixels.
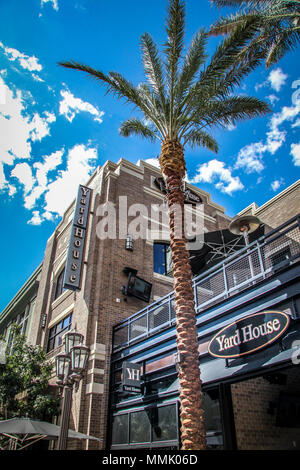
[
  {"x": 65, "y": 417},
  {"x": 246, "y": 238}
]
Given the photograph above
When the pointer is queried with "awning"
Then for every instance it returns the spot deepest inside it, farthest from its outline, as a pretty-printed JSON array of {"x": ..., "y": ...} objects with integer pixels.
[
  {"x": 27, "y": 431},
  {"x": 217, "y": 246}
]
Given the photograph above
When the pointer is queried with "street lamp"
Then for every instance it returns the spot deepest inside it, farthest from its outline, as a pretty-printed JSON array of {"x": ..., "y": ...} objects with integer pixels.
[{"x": 70, "y": 366}]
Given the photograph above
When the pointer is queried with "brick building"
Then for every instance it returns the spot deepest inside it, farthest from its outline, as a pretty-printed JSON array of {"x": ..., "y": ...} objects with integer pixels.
[
  {"x": 99, "y": 304},
  {"x": 251, "y": 379},
  {"x": 122, "y": 328}
]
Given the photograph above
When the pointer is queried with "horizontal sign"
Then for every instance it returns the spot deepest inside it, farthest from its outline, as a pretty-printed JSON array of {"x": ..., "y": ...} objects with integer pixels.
[
  {"x": 77, "y": 240},
  {"x": 189, "y": 196},
  {"x": 249, "y": 334},
  {"x": 131, "y": 377}
]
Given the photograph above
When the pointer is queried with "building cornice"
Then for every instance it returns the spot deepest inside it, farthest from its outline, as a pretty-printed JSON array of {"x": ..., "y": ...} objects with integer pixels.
[
  {"x": 26, "y": 289},
  {"x": 255, "y": 209}
]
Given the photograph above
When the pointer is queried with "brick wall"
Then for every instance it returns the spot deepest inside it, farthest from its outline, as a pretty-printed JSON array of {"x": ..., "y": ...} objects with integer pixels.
[
  {"x": 99, "y": 305},
  {"x": 279, "y": 209},
  {"x": 256, "y": 427}
]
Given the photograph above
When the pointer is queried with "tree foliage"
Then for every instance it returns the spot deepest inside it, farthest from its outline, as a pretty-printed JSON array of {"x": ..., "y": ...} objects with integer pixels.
[
  {"x": 24, "y": 382},
  {"x": 184, "y": 95},
  {"x": 277, "y": 21}
]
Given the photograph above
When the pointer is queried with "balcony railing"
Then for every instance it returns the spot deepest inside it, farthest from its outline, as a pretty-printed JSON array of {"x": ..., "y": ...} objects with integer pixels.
[{"x": 248, "y": 266}]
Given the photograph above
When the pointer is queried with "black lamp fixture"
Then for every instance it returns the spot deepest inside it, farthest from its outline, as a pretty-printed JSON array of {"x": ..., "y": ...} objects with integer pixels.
[
  {"x": 129, "y": 243},
  {"x": 70, "y": 366}
]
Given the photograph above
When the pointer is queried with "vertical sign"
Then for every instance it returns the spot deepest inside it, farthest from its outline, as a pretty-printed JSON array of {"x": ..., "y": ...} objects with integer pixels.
[
  {"x": 2, "y": 352},
  {"x": 77, "y": 239}
]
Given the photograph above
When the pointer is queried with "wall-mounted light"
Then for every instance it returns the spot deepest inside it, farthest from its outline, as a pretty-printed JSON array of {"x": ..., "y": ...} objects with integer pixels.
[{"x": 129, "y": 243}]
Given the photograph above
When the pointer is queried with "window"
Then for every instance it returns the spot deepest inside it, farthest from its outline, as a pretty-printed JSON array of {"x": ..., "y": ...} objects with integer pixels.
[
  {"x": 23, "y": 318},
  {"x": 57, "y": 331},
  {"x": 162, "y": 261},
  {"x": 59, "y": 289},
  {"x": 146, "y": 426},
  {"x": 120, "y": 429}
]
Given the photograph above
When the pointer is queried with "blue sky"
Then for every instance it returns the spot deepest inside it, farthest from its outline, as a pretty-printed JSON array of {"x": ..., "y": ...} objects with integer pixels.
[{"x": 56, "y": 125}]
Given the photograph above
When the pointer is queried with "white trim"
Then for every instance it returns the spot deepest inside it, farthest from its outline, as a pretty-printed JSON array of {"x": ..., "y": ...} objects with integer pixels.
[
  {"x": 61, "y": 315},
  {"x": 255, "y": 209},
  {"x": 94, "y": 388},
  {"x": 130, "y": 172},
  {"x": 162, "y": 277},
  {"x": 63, "y": 296}
]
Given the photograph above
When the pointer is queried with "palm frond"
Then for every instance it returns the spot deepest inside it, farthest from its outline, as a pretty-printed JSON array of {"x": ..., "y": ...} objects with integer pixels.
[
  {"x": 114, "y": 82},
  {"x": 200, "y": 138},
  {"x": 153, "y": 66},
  {"x": 194, "y": 58},
  {"x": 276, "y": 35},
  {"x": 237, "y": 108},
  {"x": 175, "y": 27},
  {"x": 286, "y": 41},
  {"x": 227, "y": 24},
  {"x": 135, "y": 126}
]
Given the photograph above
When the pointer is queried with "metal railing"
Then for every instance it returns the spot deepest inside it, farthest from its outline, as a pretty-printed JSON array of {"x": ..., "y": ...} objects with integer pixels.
[{"x": 246, "y": 267}]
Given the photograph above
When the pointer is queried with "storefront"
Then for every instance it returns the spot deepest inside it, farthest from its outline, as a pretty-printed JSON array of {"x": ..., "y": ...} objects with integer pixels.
[{"x": 249, "y": 347}]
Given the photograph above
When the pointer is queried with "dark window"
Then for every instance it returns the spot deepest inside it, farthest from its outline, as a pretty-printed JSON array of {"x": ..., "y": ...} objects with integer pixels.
[
  {"x": 155, "y": 424},
  {"x": 120, "y": 429},
  {"x": 139, "y": 427},
  {"x": 57, "y": 331},
  {"x": 59, "y": 289},
  {"x": 162, "y": 259},
  {"x": 164, "y": 424}
]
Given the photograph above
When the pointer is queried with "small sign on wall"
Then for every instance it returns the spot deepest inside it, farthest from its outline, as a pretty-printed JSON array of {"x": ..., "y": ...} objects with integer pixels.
[
  {"x": 2, "y": 352},
  {"x": 131, "y": 377},
  {"x": 74, "y": 261}
]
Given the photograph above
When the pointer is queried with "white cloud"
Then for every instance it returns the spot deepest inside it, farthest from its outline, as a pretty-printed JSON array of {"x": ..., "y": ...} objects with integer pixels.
[
  {"x": 295, "y": 152},
  {"x": 54, "y": 3},
  {"x": 69, "y": 106},
  {"x": 272, "y": 98},
  {"x": 277, "y": 79},
  {"x": 36, "y": 219},
  {"x": 49, "y": 163},
  {"x": 275, "y": 185},
  {"x": 152, "y": 161},
  {"x": 22, "y": 171},
  {"x": 40, "y": 126},
  {"x": 80, "y": 165},
  {"x": 27, "y": 62},
  {"x": 250, "y": 158},
  {"x": 14, "y": 130},
  {"x": 215, "y": 171},
  {"x": 17, "y": 129}
]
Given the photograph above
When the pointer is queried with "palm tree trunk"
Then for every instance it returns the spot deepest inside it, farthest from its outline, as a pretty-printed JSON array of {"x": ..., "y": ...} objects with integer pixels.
[{"x": 190, "y": 385}]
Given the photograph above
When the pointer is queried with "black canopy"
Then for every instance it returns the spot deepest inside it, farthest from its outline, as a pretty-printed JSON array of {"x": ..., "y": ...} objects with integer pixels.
[{"x": 217, "y": 246}]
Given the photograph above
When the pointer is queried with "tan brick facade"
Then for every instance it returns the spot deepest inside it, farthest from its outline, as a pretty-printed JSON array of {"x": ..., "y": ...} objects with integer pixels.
[
  {"x": 100, "y": 304},
  {"x": 279, "y": 209},
  {"x": 255, "y": 404}
]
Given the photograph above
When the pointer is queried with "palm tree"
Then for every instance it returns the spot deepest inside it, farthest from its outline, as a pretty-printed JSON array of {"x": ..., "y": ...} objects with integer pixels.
[
  {"x": 278, "y": 26},
  {"x": 178, "y": 104}
]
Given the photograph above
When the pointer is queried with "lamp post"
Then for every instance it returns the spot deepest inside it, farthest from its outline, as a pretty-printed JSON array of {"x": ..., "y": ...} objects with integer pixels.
[
  {"x": 70, "y": 366},
  {"x": 243, "y": 226}
]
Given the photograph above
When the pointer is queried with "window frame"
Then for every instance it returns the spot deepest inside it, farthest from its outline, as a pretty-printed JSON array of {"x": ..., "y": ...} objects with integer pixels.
[
  {"x": 59, "y": 289},
  {"x": 57, "y": 331},
  {"x": 166, "y": 246}
]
